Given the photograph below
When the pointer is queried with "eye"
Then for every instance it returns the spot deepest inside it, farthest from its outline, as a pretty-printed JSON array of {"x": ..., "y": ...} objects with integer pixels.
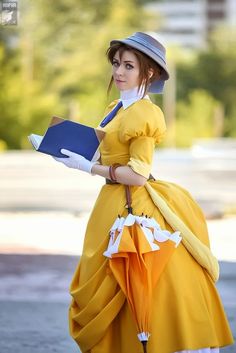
[
  {"x": 129, "y": 66},
  {"x": 115, "y": 63}
]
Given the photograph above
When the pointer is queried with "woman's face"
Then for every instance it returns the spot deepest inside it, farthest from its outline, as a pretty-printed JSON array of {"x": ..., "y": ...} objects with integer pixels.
[{"x": 125, "y": 70}]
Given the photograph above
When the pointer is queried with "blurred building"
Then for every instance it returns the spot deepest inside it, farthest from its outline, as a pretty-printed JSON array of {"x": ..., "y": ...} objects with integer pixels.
[{"x": 189, "y": 22}]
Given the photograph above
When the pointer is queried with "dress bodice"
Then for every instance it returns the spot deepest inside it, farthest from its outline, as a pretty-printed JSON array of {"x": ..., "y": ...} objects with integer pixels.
[{"x": 132, "y": 135}]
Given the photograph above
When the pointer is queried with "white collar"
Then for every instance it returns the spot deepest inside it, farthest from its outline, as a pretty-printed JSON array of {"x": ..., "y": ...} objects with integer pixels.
[{"x": 131, "y": 96}]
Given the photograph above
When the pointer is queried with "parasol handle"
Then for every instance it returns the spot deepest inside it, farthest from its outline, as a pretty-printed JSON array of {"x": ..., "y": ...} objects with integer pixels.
[
  {"x": 128, "y": 198},
  {"x": 128, "y": 192},
  {"x": 144, "y": 343}
]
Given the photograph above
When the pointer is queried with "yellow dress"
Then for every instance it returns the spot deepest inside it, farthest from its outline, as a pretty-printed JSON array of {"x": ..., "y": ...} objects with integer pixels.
[{"x": 187, "y": 312}]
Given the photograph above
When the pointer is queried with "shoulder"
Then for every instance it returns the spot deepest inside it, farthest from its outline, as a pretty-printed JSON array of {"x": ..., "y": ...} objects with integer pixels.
[
  {"x": 143, "y": 118},
  {"x": 110, "y": 106},
  {"x": 145, "y": 105}
]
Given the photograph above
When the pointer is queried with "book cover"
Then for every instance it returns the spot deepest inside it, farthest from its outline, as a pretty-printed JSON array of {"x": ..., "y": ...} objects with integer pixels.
[{"x": 73, "y": 136}]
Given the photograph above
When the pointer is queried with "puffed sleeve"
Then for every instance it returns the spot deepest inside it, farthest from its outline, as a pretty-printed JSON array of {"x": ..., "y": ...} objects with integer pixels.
[{"x": 143, "y": 126}]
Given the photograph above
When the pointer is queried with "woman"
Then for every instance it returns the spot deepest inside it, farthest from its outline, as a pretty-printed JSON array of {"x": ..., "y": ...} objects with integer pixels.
[{"x": 187, "y": 314}]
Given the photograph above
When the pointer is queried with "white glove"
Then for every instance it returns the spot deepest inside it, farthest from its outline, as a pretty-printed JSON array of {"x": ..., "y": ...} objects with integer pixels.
[{"x": 76, "y": 161}]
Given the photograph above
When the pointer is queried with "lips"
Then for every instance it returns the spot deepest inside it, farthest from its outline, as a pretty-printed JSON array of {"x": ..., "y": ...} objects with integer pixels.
[{"x": 119, "y": 81}]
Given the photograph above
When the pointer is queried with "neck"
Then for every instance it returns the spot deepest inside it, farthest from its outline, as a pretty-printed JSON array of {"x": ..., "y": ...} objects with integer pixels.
[{"x": 132, "y": 93}]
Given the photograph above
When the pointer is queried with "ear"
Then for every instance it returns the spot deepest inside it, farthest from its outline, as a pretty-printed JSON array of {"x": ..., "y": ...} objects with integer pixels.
[{"x": 150, "y": 73}]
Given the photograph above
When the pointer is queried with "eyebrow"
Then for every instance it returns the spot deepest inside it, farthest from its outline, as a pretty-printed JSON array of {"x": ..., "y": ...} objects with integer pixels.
[{"x": 126, "y": 61}]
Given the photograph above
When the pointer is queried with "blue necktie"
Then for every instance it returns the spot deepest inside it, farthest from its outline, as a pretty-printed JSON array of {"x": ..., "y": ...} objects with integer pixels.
[{"x": 111, "y": 115}]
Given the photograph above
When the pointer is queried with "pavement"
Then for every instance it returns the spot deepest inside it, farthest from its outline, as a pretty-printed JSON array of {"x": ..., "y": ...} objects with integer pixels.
[{"x": 34, "y": 302}]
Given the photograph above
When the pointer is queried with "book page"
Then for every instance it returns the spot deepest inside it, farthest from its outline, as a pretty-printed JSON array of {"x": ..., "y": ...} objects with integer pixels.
[{"x": 35, "y": 140}]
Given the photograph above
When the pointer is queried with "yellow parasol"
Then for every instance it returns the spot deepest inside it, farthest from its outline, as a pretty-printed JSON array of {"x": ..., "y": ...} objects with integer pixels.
[{"x": 138, "y": 251}]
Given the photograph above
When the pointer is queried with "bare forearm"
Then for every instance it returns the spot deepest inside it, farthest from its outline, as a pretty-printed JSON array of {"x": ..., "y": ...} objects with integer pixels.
[{"x": 124, "y": 174}]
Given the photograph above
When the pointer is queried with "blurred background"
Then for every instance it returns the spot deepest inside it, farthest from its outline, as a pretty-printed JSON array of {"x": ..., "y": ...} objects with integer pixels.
[{"x": 52, "y": 62}]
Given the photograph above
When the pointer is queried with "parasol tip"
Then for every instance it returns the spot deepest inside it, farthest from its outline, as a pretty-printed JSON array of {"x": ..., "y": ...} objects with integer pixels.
[{"x": 144, "y": 343}]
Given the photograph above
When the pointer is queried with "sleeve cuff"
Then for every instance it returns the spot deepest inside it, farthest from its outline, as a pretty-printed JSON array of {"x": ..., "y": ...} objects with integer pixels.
[{"x": 139, "y": 167}]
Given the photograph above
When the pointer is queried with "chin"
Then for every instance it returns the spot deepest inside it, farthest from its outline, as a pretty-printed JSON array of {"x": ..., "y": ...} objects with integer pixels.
[{"x": 120, "y": 88}]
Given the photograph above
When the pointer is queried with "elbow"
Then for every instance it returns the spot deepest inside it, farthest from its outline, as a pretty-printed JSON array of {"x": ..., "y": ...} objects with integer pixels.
[{"x": 140, "y": 180}]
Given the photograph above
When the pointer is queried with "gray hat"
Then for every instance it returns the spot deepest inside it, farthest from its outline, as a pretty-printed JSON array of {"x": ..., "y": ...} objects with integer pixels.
[{"x": 152, "y": 48}]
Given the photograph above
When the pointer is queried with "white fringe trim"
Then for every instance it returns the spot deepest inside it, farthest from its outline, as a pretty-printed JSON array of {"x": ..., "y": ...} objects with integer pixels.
[
  {"x": 151, "y": 230},
  {"x": 143, "y": 336}
]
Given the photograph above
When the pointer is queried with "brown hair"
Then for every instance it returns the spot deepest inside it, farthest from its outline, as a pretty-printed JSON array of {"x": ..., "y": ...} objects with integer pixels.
[{"x": 145, "y": 64}]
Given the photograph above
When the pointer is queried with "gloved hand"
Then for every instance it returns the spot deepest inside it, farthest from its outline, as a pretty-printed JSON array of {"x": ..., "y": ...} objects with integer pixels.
[{"x": 76, "y": 161}]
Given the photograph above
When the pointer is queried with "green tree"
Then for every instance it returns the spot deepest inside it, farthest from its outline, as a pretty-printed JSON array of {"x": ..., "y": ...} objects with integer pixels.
[
  {"x": 214, "y": 71},
  {"x": 9, "y": 98},
  {"x": 58, "y": 63},
  {"x": 195, "y": 118}
]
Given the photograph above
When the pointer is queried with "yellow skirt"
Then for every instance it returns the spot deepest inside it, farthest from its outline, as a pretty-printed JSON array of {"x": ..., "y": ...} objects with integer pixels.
[{"x": 187, "y": 313}]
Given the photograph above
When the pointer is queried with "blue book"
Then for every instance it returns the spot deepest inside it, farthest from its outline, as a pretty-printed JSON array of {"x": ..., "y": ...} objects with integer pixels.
[{"x": 70, "y": 135}]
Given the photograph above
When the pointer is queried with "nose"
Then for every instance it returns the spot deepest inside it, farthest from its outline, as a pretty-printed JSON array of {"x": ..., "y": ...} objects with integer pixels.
[{"x": 119, "y": 70}]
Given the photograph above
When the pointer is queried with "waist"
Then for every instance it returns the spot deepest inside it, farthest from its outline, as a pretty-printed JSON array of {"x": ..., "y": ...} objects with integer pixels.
[{"x": 110, "y": 182}]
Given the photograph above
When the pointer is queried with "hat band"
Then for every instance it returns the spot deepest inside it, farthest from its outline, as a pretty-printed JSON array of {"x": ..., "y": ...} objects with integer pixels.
[{"x": 150, "y": 47}]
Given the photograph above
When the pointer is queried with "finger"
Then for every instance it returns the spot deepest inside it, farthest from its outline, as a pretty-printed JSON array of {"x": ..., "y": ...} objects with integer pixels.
[{"x": 67, "y": 152}]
